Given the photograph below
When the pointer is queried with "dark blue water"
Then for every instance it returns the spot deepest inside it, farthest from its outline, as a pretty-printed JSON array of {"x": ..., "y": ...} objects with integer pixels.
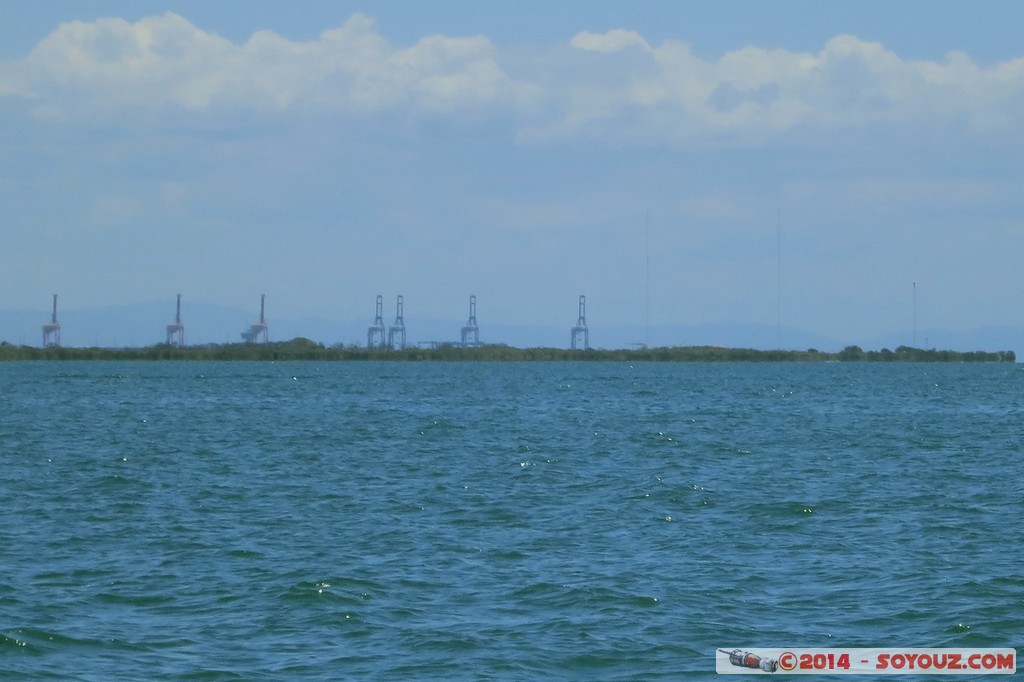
[{"x": 499, "y": 521}]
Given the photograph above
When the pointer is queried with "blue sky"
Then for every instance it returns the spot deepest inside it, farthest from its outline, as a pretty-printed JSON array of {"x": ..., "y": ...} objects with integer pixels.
[{"x": 798, "y": 169}]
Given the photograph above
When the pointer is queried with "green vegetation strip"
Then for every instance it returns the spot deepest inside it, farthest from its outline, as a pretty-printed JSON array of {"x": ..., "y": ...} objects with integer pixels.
[{"x": 304, "y": 349}]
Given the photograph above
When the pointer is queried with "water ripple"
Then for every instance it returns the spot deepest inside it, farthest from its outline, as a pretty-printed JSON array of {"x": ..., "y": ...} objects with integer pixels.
[{"x": 226, "y": 521}]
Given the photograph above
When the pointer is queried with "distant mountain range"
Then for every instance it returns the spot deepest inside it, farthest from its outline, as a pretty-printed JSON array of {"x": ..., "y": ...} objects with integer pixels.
[{"x": 144, "y": 324}]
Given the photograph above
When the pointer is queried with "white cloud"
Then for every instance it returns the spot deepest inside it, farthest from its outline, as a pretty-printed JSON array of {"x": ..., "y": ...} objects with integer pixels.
[
  {"x": 614, "y": 86},
  {"x": 113, "y": 63},
  {"x": 446, "y": 73},
  {"x": 753, "y": 93},
  {"x": 165, "y": 61}
]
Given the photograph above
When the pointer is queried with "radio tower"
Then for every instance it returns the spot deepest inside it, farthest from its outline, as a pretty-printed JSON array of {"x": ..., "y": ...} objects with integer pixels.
[
  {"x": 375, "y": 334},
  {"x": 471, "y": 332},
  {"x": 176, "y": 330},
  {"x": 398, "y": 328},
  {"x": 580, "y": 330},
  {"x": 51, "y": 330},
  {"x": 259, "y": 328}
]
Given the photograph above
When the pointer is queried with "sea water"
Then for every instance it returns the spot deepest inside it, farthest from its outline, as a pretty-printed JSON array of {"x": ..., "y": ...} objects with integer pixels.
[{"x": 613, "y": 521}]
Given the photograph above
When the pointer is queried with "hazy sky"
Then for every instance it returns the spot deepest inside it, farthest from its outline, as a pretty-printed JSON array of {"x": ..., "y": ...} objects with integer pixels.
[{"x": 800, "y": 164}]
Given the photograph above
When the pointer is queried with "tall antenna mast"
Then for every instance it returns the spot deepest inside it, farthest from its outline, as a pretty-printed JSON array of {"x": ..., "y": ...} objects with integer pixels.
[
  {"x": 778, "y": 281},
  {"x": 647, "y": 283},
  {"x": 914, "y": 342}
]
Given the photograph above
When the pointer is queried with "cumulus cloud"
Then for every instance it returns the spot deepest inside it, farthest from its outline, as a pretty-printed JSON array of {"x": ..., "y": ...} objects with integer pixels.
[
  {"x": 166, "y": 61},
  {"x": 670, "y": 94},
  {"x": 614, "y": 86}
]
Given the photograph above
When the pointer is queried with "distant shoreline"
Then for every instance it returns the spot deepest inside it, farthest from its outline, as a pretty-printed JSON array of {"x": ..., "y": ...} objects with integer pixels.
[{"x": 304, "y": 349}]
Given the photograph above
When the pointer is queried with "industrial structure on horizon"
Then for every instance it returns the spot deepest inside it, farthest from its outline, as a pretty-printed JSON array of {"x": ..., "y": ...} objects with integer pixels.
[
  {"x": 176, "y": 330},
  {"x": 258, "y": 328},
  {"x": 51, "y": 330},
  {"x": 397, "y": 330},
  {"x": 396, "y": 337},
  {"x": 471, "y": 332},
  {"x": 580, "y": 331},
  {"x": 377, "y": 336}
]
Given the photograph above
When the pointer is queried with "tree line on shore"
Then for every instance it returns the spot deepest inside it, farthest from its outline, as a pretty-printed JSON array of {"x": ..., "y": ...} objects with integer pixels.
[{"x": 304, "y": 349}]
